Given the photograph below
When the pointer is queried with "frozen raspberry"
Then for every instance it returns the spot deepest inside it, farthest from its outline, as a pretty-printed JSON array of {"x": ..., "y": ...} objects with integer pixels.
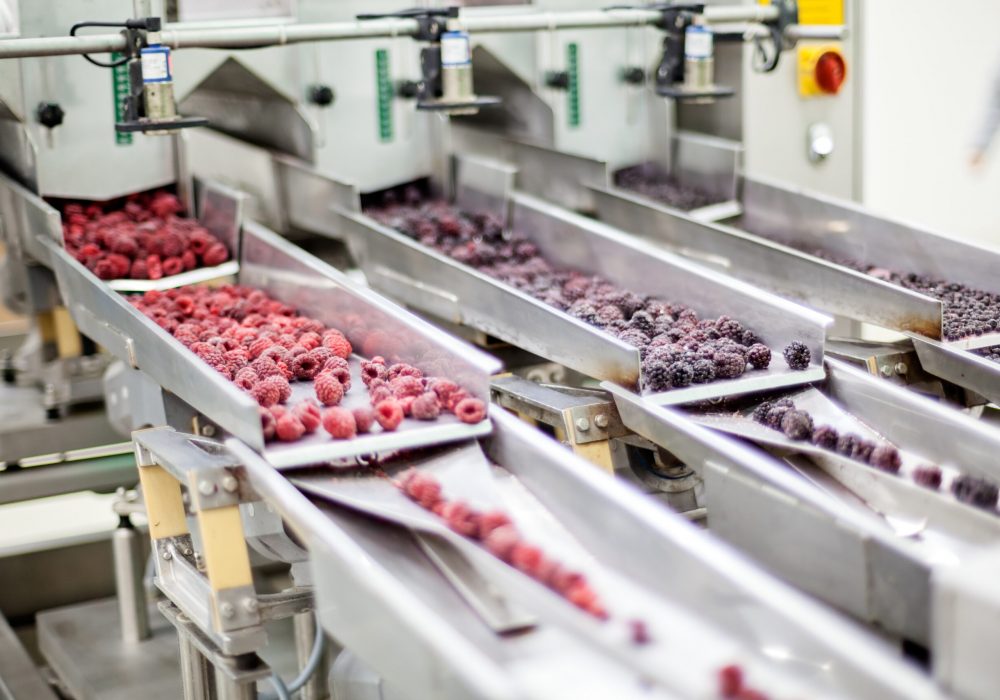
[
  {"x": 280, "y": 384},
  {"x": 389, "y": 414},
  {"x": 825, "y": 436},
  {"x": 343, "y": 375},
  {"x": 975, "y": 491},
  {"x": 304, "y": 366},
  {"x": 421, "y": 487},
  {"x": 329, "y": 391},
  {"x": 401, "y": 369},
  {"x": 886, "y": 458},
  {"x": 364, "y": 418},
  {"x": 490, "y": 521},
  {"x": 584, "y": 597},
  {"x": 501, "y": 542},
  {"x": 370, "y": 371},
  {"x": 308, "y": 412},
  {"x": 406, "y": 403},
  {"x": 378, "y": 394},
  {"x": 139, "y": 271},
  {"x": 173, "y": 266},
  {"x": 258, "y": 346},
  {"x": 215, "y": 254},
  {"x": 470, "y": 410},
  {"x": 460, "y": 518},
  {"x": 246, "y": 378},
  {"x": 425, "y": 407},
  {"x": 639, "y": 632},
  {"x": 928, "y": 476},
  {"x": 329, "y": 360},
  {"x": 265, "y": 394},
  {"x": 154, "y": 268},
  {"x": 406, "y": 385},
  {"x": 797, "y": 425},
  {"x": 334, "y": 340},
  {"x": 730, "y": 681},
  {"x": 759, "y": 356},
  {"x": 310, "y": 340},
  {"x": 265, "y": 367},
  {"x": 289, "y": 428},
  {"x": 797, "y": 355},
  {"x": 189, "y": 260},
  {"x": 267, "y": 423},
  {"x": 339, "y": 422},
  {"x": 526, "y": 558}
]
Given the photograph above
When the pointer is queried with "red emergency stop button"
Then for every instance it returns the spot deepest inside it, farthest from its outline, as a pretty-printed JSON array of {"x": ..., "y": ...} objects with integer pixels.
[{"x": 831, "y": 71}]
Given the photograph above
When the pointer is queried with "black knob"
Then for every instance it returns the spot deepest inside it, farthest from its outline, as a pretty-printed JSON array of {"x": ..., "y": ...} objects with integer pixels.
[
  {"x": 321, "y": 95},
  {"x": 408, "y": 89},
  {"x": 557, "y": 79},
  {"x": 49, "y": 114},
  {"x": 634, "y": 75}
]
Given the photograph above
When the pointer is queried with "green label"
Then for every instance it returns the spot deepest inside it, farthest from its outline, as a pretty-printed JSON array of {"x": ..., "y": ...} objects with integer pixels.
[
  {"x": 119, "y": 86},
  {"x": 385, "y": 93},
  {"x": 573, "y": 93}
]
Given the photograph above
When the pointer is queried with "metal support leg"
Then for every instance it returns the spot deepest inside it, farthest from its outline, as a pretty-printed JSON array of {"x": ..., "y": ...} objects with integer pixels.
[
  {"x": 196, "y": 674},
  {"x": 132, "y": 612},
  {"x": 227, "y": 688},
  {"x": 305, "y": 636}
]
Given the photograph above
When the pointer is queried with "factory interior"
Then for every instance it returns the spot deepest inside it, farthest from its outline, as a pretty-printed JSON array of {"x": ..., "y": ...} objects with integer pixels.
[{"x": 499, "y": 349}]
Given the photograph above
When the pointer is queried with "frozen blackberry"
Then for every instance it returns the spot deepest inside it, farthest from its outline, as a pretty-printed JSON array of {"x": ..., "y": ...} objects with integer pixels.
[
  {"x": 760, "y": 413},
  {"x": 729, "y": 328},
  {"x": 797, "y": 425},
  {"x": 681, "y": 374},
  {"x": 583, "y": 310},
  {"x": 825, "y": 436},
  {"x": 609, "y": 313},
  {"x": 635, "y": 337},
  {"x": 656, "y": 376},
  {"x": 776, "y": 414},
  {"x": 729, "y": 365},
  {"x": 750, "y": 338},
  {"x": 703, "y": 371},
  {"x": 846, "y": 444},
  {"x": 642, "y": 321},
  {"x": 975, "y": 491},
  {"x": 863, "y": 450},
  {"x": 886, "y": 458},
  {"x": 928, "y": 476},
  {"x": 797, "y": 355},
  {"x": 759, "y": 356}
]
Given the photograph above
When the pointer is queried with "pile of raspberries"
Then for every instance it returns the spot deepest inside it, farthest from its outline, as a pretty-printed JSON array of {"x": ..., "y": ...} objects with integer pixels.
[
  {"x": 677, "y": 348},
  {"x": 498, "y": 534},
  {"x": 651, "y": 180},
  {"x": 797, "y": 424},
  {"x": 968, "y": 312},
  {"x": 147, "y": 238},
  {"x": 261, "y": 345}
]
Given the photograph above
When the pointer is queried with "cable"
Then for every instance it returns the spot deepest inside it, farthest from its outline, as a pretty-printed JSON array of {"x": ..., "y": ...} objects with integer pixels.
[
  {"x": 764, "y": 63},
  {"x": 80, "y": 25},
  {"x": 319, "y": 646}
]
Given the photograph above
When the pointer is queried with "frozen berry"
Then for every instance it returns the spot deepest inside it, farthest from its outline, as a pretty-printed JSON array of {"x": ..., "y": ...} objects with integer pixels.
[
  {"x": 975, "y": 491},
  {"x": 389, "y": 414},
  {"x": 886, "y": 458},
  {"x": 703, "y": 371},
  {"x": 422, "y": 488},
  {"x": 305, "y": 366},
  {"x": 328, "y": 389},
  {"x": 267, "y": 423},
  {"x": 490, "y": 521},
  {"x": 425, "y": 406},
  {"x": 639, "y": 632},
  {"x": 526, "y": 558},
  {"x": 863, "y": 450},
  {"x": 470, "y": 410},
  {"x": 280, "y": 384},
  {"x": 308, "y": 412},
  {"x": 846, "y": 444},
  {"x": 681, "y": 374},
  {"x": 339, "y": 422},
  {"x": 336, "y": 342},
  {"x": 289, "y": 428},
  {"x": 797, "y": 355},
  {"x": 246, "y": 378},
  {"x": 760, "y": 412},
  {"x": 825, "y": 436},
  {"x": 797, "y": 425},
  {"x": 928, "y": 476},
  {"x": 730, "y": 681},
  {"x": 460, "y": 518},
  {"x": 406, "y": 385},
  {"x": 265, "y": 394},
  {"x": 501, "y": 542},
  {"x": 729, "y": 365},
  {"x": 759, "y": 356}
]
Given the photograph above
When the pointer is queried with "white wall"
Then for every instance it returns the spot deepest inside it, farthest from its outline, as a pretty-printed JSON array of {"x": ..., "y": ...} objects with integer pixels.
[{"x": 927, "y": 68}]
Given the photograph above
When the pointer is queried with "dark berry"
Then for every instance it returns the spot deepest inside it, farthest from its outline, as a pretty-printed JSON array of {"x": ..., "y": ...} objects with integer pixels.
[
  {"x": 656, "y": 376},
  {"x": 797, "y": 355},
  {"x": 703, "y": 371},
  {"x": 886, "y": 458},
  {"x": 975, "y": 491},
  {"x": 776, "y": 414},
  {"x": 681, "y": 374},
  {"x": 928, "y": 476},
  {"x": 729, "y": 365},
  {"x": 760, "y": 413},
  {"x": 825, "y": 436},
  {"x": 846, "y": 444},
  {"x": 863, "y": 450},
  {"x": 797, "y": 425},
  {"x": 759, "y": 356}
]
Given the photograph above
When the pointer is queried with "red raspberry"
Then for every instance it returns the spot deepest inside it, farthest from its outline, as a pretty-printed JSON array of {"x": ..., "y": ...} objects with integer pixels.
[
  {"x": 470, "y": 410},
  {"x": 323, "y": 356},
  {"x": 267, "y": 423},
  {"x": 379, "y": 394},
  {"x": 289, "y": 428},
  {"x": 308, "y": 412},
  {"x": 309, "y": 340},
  {"x": 168, "y": 244},
  {"x": 501, "y": 542},
  {"x": 246, "y": 378},
  {"x": 401, "y": 369},
  {"x": 730, "y": 681},
  {"x": 305, "y": 366},
  {"x": 584, "y": 597},
  {"x": 154, "y": 270},
  {"x": 364, "y": 417},
  {"x": 370, "y": 371},
  {"x": 640, "y": 632},
  {"x": 425, "y": 407},
  {"x": 279, "y": 383},
  {"x": 189, "y": 260},
  {"x": 424, "y": 489},
  {"x": 527, "y": 558},
  {"x": 460, "y": 518},
  {"x": 456, "y": 398},
  {"x": 406, "y": 403},
  {"x": 329, "y": 391},
  {"x": 490, "y": 521},
  {"x": 276, "y": 353},
  {"x": 104, "y": 269},
  {"x": 173, "y": 266},
  {"x": 339, "y": 422},
  {"x": 266, "y": 394},
  {"x": 751, "y": 694},
  {"x": 139, "y": 270},
  {"x": 343, "y": 375},
  {"x": 265, "y": 367},
  {"x": 335, "y": 341},
  {"x": 164, "y": 205},
  {"x": 215, "y": 254},
  {"x": 444, "y": 388},
  {"x": 405, "y": 385},
  {"x": 389, "y": 414},
  {"x": 124, "y": 244}
]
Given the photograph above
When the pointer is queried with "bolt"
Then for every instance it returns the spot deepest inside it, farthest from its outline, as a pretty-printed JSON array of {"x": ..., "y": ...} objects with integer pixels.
[
  {"x": 206, "y": 488},
  {"x": 886, "y": 370},
  {"x": 167, "y": 556},
  {"x": 227, "y": 610},
  {"x": 901, "y": 368},
  {"x": 582, "y": 424},
  {"x": 601, "y": 421},
  {"x": 229, "y": 483},
  {"x": 250, "y": 605},
  {"x": 208, "y": 430}
]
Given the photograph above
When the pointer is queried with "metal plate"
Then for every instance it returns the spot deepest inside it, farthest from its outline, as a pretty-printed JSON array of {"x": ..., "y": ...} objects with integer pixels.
[{"x": 226, "y": 270}]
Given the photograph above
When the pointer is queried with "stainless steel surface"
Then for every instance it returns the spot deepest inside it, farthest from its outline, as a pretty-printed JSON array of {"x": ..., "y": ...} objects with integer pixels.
[
  {"x": 196, "y": 674},
  {"x": 482, "y": 184},
  {"x": 959, "y": 367},
  {"x": 308, "y": 195},
  {"x": 19, "y": 678},
  {"x": 133, "y": 609},
  {"x": 83, "y": 646},
  {"x": 306, "y": 630}
]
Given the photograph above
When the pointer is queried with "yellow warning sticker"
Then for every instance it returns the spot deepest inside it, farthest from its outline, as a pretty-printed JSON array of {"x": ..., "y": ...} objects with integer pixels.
[{"x": 821, "y": 11}]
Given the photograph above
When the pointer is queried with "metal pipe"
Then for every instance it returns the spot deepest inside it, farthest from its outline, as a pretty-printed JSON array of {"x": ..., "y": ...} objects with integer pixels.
[
  {"x": 833, "y": 32},
  {"x": 227, "y": 688},
  {"x": 195, "y": 674},
  {"x": 305, "y": 639},
  {"x": 133, "y": 614}
]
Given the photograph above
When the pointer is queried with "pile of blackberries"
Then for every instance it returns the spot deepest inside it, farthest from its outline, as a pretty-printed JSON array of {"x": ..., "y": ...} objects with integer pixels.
[
  {"x": 677, "y": 348},
  {"x": 651, "y": 180}
]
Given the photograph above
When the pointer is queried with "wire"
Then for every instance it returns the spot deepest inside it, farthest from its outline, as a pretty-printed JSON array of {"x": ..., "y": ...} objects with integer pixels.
[
  {"x": 763, "y": 62},
  {"x": 319, "y": 646},
  {"x": 79, "y": 25}
]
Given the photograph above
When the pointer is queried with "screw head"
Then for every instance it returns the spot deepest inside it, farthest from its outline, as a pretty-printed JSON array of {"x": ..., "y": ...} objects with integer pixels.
[
  {"x": 601, "y": 421},
  {"x": 901, "y": 368},
  {"x": 167, "y": 556},
  {"x": 227, "y": 610},
  {"x": 208, "y": 430},
  {"x": 229, "y": 483},
  {"x": 206, "y": 488},
  {"x": 250, "y": 605},
  {"x": 582, "y": 424},
  {"x": 886, "y": 370}
]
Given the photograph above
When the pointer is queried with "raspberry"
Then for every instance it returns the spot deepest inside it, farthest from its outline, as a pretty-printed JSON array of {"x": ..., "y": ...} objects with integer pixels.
[
  {"x": 759, "y": 356},
  {"x": 334, "y": 340},
  {"x": 310, "y": 340},
  {"x": 460, "y": 518},
  {"x": 563, "y": 580},
  {"x": 425, "y": 407},
  {"x": 189, "y": 260},
  {"x": 584, "y": 597},
  {"x": 401, "y": 369},
  {"x": 730, "y": 681},
  {"x": 246, "y": 378},
  {"x": 928, "y": 476},
  {"x": 339, "y": 422},
  {"x": 364, "y": 418},
  {"x": 886, "y": 458},
  {"x": 444, "y": 389},
  {"x": 640, "y": 632},
  {"x": 154, "y": 269},
  {"x": 797, "y": 425},
  {"x": 501, "y": 542},
  {"x": 389, "y": 414},
  {"x": 490, "y": 521},
  {"x": 329, "y": 360},
  {"x": 280, "y": 384},
  {"x": 406, "y": 385},
  {"x": 215, "y": 254},
  {"x": 304, "y": 366},
  {"x": 267, "y": 423},
  {"x": 139, "y": 271},
  {"x": 371, "y": 371},
  {"x": 470, "y": 410},
  {"x": 406, "y": 403},
  {"x": 173, "y": 266},
  {"x": 526, "y": 558},
  {"x": 825, "y": 436},
  {"x": 265, "y": 367},
  {"x": 343, "y": 375},
  {"x": 308, "y": 413},
  {"x": 289, "y": 428},
  {"x": 379, "y": 394},
  {"x": 797, "y": 356},
  {"x": 421, "y": 487},
  {"x": 329, "y": 391},
  {"x": 265, "y": 394},
  {"x": 258, "y": 346}
]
